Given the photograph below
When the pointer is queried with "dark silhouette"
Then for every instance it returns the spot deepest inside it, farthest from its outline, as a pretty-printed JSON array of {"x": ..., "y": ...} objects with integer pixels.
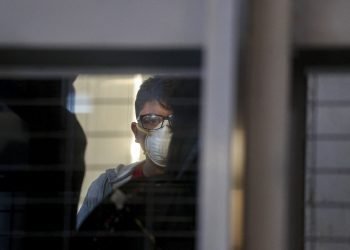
[{"x": 41, "y": 164}]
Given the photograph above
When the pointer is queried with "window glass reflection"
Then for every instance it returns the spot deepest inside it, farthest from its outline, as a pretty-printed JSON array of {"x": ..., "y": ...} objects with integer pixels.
[{"x": 60, "y": 135}]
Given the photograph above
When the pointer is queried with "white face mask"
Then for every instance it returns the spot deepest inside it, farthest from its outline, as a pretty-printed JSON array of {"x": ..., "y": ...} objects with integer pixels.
[{"x": 157, "y": 144}]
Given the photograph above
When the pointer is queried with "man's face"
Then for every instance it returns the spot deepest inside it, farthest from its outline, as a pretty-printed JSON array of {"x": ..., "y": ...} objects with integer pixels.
[{"x": 152, "y": 107}]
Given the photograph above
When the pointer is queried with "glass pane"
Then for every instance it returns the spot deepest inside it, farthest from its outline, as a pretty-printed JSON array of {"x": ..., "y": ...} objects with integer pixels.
[
  {"x": 327, "y": 207},
  {"x": 72, "y": 144}
]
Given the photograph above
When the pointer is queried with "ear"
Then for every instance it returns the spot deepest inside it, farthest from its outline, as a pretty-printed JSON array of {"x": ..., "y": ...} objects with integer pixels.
[{"x": 135, "y": 131}]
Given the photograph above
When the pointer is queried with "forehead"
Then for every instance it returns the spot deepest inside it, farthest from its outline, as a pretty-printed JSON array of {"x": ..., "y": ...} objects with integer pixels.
[{"x": 154, "y": 107}]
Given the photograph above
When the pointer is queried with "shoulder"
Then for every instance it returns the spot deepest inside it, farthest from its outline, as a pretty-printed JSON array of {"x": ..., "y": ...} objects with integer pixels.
[
  {"x": 97, "y": 185},
  {"x": 93, "y": 196},
  {"x": 120, "y": 174}
]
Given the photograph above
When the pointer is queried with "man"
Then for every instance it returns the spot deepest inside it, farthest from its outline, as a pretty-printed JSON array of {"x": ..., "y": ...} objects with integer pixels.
[
  {"x": 158, "y": 212},
  {"x": 152, "y": 132}
]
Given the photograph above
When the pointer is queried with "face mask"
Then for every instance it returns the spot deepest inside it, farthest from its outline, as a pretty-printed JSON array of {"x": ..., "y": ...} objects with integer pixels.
[{"x": 157, "y": 144}]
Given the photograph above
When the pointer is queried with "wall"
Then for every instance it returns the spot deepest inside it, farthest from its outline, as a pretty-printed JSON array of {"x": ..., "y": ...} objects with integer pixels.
[
  {"x": 321, "y": 22},
  {"x": 104, "y": 105},
  {"x": 101, "y": 23}
]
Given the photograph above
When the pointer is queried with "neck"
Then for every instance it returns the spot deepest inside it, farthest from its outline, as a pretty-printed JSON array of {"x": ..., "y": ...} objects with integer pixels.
[{"x": 150, "y": 169}]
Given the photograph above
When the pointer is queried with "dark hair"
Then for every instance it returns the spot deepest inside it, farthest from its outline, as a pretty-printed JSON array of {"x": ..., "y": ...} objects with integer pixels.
[
  {"x": 183, "y": 149},
  {"x": 155, "y": 89}
]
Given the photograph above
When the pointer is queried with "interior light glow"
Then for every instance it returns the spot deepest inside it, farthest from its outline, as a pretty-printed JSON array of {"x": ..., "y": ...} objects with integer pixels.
[
  {"x": 82, "y": 104},
  {"x": 135, "y": 149}
]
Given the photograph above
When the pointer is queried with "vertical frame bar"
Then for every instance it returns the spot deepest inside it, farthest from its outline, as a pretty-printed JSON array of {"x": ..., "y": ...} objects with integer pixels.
[
  {"x": 268, "y": 111},
  {"x": 220, "y": 74}
]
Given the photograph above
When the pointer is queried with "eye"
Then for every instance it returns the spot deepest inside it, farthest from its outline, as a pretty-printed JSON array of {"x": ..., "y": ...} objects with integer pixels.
[{"x": 151, "y": 121}]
